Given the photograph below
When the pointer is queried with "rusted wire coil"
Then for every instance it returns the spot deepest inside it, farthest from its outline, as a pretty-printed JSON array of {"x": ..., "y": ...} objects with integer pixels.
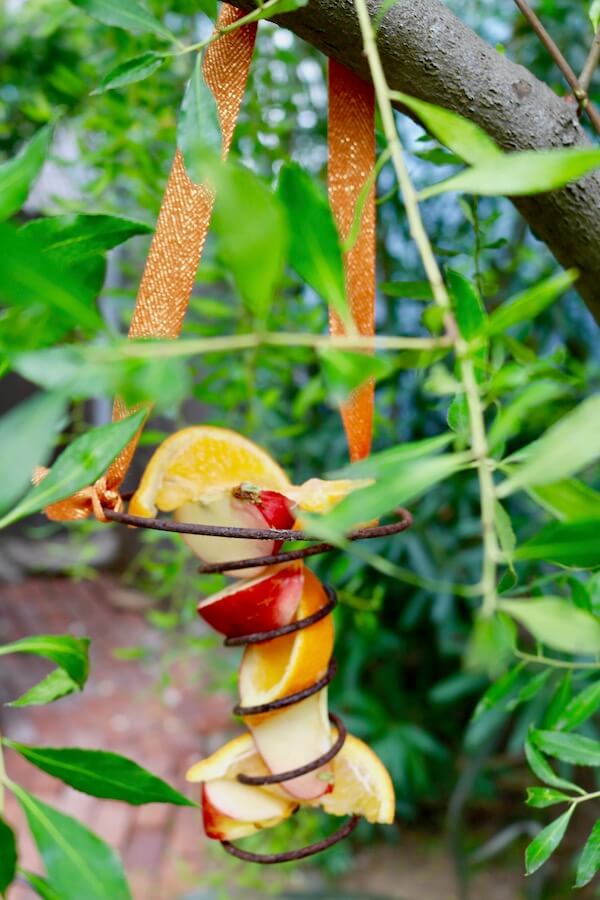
[{"x": 403, "y": 522}]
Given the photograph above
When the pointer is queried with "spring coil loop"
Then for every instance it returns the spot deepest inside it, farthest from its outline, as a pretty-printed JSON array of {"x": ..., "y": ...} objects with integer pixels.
[{"x": 402, "y": 523}]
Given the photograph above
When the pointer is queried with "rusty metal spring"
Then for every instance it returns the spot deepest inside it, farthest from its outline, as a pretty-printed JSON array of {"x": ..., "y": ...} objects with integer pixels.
[{"x": 402, "y": 523}]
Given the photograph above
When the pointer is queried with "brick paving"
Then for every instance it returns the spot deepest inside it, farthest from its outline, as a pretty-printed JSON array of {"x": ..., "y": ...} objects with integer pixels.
[{"x": 121, "y": 709}]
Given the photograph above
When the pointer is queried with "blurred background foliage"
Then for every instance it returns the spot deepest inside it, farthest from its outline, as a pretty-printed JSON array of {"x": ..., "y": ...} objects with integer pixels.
[{"x": 402, "y": 683}]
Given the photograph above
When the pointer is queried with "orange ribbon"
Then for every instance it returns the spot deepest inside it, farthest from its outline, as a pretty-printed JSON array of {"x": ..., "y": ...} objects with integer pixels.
[{"x": 184, "y": 219}]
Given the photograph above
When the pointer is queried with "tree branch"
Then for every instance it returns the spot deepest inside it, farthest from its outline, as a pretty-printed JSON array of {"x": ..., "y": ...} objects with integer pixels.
[{"x": 428, "y": 52}]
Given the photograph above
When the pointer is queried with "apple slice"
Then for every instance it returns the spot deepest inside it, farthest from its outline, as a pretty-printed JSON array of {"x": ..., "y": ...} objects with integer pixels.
[
  {"x": 264, "y": 603},
  {"x": 245, "y": 506},
  {"x": 232, "y": 810},
  {"x": 294, "y": 737}
]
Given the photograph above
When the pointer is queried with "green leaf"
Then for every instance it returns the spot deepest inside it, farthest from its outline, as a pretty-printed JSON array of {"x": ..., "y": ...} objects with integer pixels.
[
  {"x": 397, "y": 487},
  {"x": 589, "y": 861},
  {"x": 130, "y": 71},
  {"x": 530, "y": 303},
  {"x": 102, "y": 774},
  {"x": 29, "y": 276},
  {"x": 460, "y": 135},
  {"x": 78, "y": 863},
  {"x": 580, "y": 708},
  {"x": 541, "y": 797},
  {"x": 491, "y": 645},
  {"x": 470, "y": 312},
  {"x": 555, "y": 622},
  {"x": 54, "y": 686},
  {"x": 40, "y": 886},
  {"x": 75, "y": 237},
  {"x": 8, "y": 855},
  {"x": 345, "y": 371},
  {"x": 543, "y": 846},
  {"x": 315, "y": 249},
  {"x": 595, "y": 14},
  {"x": 510, "y": 418},
  {"x": 71, "y": 654},
  {"x": 570, "y": 500},
  {"x": 254, "y": 246},
  {"x": 80, "y": 465},
  {"x": 198, "y": 129},
  {"x": 379, "y": 465},
  {"x": 506, "y": 534},
  {"x": 409, "y": 290},
  {"x": 499, "y": 690},
  {"x": 568, "y": 446},
  {"x": 559, "y": 701},
  {"x": 543, "y": 770},
  {"x": 27, "y": 435},
  {"x": 18, "y": 174},
  {"x": 572, "y": 544},
  {"x": 517, "y": 174},
  {"x": 570, "y": 748},
  {"x": 127, "y": 14}
]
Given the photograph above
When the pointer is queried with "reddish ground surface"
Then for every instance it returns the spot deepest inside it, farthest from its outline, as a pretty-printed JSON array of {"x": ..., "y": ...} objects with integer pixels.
[{"x": 163, "y": 847}]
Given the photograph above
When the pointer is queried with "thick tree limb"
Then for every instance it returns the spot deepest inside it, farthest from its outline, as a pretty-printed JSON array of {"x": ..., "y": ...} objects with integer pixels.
[{"x": 428, "y": 52}]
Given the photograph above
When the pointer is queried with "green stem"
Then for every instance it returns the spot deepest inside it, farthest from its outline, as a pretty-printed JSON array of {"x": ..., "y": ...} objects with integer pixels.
[
  {"x": 256, "y": 14},
  {"x": 440, "y": 295},
  {"x": 555, "y": 663},
  {"x": 2, "y": 778}
]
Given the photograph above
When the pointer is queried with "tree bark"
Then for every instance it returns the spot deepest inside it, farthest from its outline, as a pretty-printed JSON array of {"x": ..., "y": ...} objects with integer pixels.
[{"x": 428, "y": 52}]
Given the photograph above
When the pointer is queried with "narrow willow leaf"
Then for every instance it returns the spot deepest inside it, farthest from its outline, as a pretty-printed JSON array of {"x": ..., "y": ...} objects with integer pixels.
[
  {"x": 254, "y": 247},
  {"x": 80, "y": 465},
  {"x": 70, "y": 653},
  {"x": 580, "y": 708},
  {"x": 27, "y": 435},
  {"x": 530, "y": 303},
  {"x": 500, "y": 690},
  {"x": 398, "y": 487},
  {"x": 506, "y": 534},
  {"x": 344, "y": 371},
  {"x": 198, "y": 129},
  {"x": 595, "y": 14},
  {"x": 378, "y": 465},
  {"x": 410, "y": 290},
  {"x": 71, "y": 238},
  {"x": 78, "y": 863},
  {"x": 517, "y": 174},
  {"x": 541, "y": 797},
  {"x": 543, "y": 770},
  {"x": 39, "y": 885},
  {"x": 530, "y": 689},
  {"x": 18, "y": 174},
  {"x": 29, "y": 276},
  {"x": 568, "y": 446},
  {"x": 130, "y": 71},
  {"x": 102, "y": 774},
  {"x": 589, "y": 861},
  {"x": 543, "y": 846},
  {"x": 469, "y": 310},
  {"x": 130, "y": 15},
  {"x": 559, "y": 701},
  {"x": 556, "y": 623},
  {"x": 573, "y": 544},
  {"x": 8, "y": 855},
  {"x": 54, "y": 686},
  {"x": 570, "y": 748},
  {"x": 570, "y": 500},
  {"x": 460, "y": 135},
  {"x": 315, "y": 249}
]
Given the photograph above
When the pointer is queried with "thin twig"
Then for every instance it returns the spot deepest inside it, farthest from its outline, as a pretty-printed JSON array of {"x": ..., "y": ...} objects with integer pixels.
[
  {"x": 471, "y": 388},
  {"x": 591, "y": 63},
  {"x": 579, "y": 92}
]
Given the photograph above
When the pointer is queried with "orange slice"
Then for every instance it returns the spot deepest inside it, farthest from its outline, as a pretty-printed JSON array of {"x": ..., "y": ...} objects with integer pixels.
[
  {"x": 282, "y": 666},
  {"x": 319, "y": 496},
  {"x": 202, "y": 459},
  {"x": 361, "y": 785}
]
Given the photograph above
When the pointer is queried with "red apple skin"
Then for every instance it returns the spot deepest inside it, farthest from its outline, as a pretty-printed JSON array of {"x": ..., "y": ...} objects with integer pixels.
[
  {"x": 277, "y": 510},
  {"x": 214, "y": 821},
  {"x": 260, "y": 606}
]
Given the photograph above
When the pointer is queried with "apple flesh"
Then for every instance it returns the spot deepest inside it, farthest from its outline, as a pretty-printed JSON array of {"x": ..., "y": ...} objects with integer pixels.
[
  {"x": 294, "y": 737},
  {"x": 233, "y": 810},
  {"x": 245, "y": 506},
  {"x": 261, "y": 604}
]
